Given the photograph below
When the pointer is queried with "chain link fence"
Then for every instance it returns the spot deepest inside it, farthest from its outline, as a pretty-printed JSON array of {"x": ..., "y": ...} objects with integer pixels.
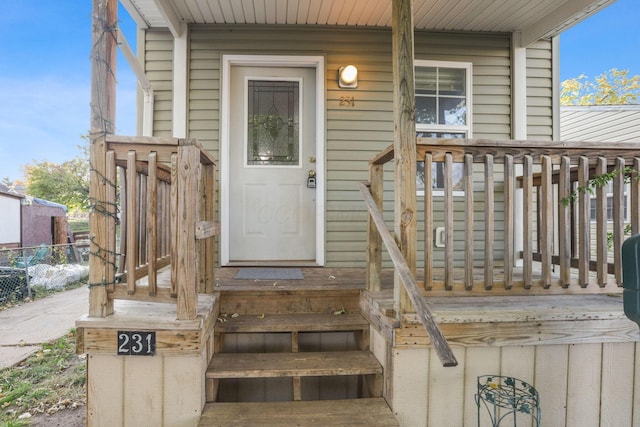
[{"x": 31, "y": 271}]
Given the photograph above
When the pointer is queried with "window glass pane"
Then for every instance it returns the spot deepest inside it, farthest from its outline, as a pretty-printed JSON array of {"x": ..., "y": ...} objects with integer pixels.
[
  {"x": 426, "y": 80},
  {"x": 426, "y": 110},
  {"x": 451, "y": 81},
  {"x": 452, "y": 111},
  {"x": 273, "y": 123}
]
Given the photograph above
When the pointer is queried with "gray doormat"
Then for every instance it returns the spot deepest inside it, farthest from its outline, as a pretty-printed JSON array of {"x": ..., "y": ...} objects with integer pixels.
[{"x": 269, "y": 273}]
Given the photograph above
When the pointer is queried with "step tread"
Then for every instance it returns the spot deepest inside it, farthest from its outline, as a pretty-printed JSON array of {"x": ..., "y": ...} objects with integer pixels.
[
  {"x": 334, "y": 413},
  {"x": 303, "y": 364},
  {"x": 298, "y": 322}
]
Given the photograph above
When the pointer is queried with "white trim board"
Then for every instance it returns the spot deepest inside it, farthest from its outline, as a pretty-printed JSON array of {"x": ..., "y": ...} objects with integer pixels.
[{"x": 316, "y": 62}]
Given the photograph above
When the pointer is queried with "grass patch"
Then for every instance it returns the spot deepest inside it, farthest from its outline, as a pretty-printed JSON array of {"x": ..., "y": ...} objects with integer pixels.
[
  {"x": 50, "y": 380},
  {"x": 78, "y": 225}
]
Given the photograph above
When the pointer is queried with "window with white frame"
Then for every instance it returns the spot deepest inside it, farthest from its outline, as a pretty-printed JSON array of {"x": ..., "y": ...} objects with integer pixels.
[
  {"x": 609, "y": 192},
  {"x": 443, "y": 110}
]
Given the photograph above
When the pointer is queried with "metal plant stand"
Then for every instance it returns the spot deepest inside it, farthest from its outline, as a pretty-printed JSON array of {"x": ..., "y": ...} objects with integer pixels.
[{"x": 505, "y": 398}]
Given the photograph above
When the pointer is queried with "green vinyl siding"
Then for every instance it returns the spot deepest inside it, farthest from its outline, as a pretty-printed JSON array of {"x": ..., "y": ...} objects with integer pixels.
[
  {"x": 158, "y": 55},
  {"x": 539, "y": 91},
  {"x": 353, "y": 134}
]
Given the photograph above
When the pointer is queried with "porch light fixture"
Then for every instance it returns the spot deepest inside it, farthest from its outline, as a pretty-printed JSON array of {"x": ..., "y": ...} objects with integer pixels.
[{"x": 348, "y": 77}]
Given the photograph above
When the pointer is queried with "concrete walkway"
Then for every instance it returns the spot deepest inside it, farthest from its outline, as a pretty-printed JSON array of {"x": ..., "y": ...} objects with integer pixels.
[{"x": 23, "y": 328}]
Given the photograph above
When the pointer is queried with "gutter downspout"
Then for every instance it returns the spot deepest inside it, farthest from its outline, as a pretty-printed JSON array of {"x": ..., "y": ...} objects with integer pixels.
[{"x": 143, "y": 81}]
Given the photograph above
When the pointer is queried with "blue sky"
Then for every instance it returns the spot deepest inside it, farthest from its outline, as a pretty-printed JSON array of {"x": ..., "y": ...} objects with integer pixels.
[
  {"x": 45, "y": 72},
  {"x": 609, "y": 39},
  {"x": 45, "y": 81}
]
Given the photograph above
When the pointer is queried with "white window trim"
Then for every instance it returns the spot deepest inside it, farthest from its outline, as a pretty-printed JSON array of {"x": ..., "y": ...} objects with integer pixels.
[{"x": 467, "y": 129}]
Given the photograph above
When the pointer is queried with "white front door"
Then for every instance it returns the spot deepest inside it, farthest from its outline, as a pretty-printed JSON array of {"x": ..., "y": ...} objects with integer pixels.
[{"x": 272, "y": 151}]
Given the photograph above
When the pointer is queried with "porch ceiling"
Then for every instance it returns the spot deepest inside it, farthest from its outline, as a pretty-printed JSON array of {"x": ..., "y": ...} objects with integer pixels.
[{"x": 534, "y": 19}]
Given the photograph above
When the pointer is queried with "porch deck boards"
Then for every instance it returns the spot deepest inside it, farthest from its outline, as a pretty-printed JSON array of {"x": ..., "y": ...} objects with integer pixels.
[
  {"x": 512, "y": 308},
  {"x": 354, "y": 278},
  {"x": 503, "y": 320},
  {"x": 335, "y": 413}
]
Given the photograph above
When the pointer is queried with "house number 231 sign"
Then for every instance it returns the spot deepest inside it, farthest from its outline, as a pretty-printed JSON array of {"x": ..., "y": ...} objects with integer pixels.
[{"x": 136, "y": 343}]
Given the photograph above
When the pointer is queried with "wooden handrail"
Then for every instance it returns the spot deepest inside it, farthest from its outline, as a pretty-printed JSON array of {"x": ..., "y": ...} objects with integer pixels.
[{"x": 443, "y": 350}]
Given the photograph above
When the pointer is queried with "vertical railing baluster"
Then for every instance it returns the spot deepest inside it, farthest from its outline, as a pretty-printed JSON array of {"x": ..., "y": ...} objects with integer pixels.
[
  {"x": 141, "y": 219},
  {"x": 584, "y": 223},
  {"x": 374, "y": 250},
  {"x": 601, "y": 225},
  {"x": 152, "y": 223},
  {"x": 509, "y": 204},
  {"x": 174, "y": 225},
  {"x": 110, "y": 206},
  {"x": 428, "y": 221},
  {"x": 527, "y": 201},
  {"x": 469, "y": 226},
  {"x": 546, "y": 226},
  {"x": 448, "y": 218},
  {"x": 564, "y": 221},
  {"x": 162, "y": 224},
  {"x": 122, "y": 173},
  {"x": 132, "y": 224},
  {"x": 489, "y": 216},
  {"x": 618, "y": 218},
  {"x": 210, "y": 215}
]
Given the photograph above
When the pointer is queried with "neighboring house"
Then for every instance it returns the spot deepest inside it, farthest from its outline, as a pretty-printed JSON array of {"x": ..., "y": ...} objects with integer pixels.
[
  {"x": 10, "y": 225},
  {"x": 600, "y": 123},
  {"x": 43, "y": 222},
  {"x": 286, "y": 140},
  {"x": 29, "y": 221}
]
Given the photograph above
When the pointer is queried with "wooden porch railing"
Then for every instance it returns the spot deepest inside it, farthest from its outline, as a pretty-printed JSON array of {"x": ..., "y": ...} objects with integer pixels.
[
  {"x": 520, "y": 221},
  {"x": 161, "y": 191}
]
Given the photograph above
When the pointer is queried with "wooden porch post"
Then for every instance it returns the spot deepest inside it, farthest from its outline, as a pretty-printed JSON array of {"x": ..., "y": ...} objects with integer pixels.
[
  {"x": 404, "y": 141},
  {"x": 188, "y": 188},
  {"x": 103, "y": 113}
]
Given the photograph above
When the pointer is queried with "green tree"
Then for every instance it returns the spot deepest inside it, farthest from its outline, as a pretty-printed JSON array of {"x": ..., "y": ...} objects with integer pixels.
[
  {"x": 66, "y": 183},
  {"x": 613, "y": 87}
]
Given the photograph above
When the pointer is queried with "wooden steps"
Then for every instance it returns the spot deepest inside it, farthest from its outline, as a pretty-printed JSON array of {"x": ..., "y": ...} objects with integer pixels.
[
  {"x": 334, "y": 413},
  {"x": 304, "y": 361},
  {"x": 305, "y": 364},
  {"x": 296, "y": 322}
]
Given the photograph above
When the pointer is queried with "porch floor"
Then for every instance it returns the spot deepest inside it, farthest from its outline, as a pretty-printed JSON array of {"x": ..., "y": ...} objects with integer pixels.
[
  {"x": 354, "y": 278},
  {"x": 479, "y": 317}
]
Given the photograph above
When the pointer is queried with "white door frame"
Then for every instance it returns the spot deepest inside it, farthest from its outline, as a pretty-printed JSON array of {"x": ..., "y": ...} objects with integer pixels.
[{"x": 316, "y": 62}]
